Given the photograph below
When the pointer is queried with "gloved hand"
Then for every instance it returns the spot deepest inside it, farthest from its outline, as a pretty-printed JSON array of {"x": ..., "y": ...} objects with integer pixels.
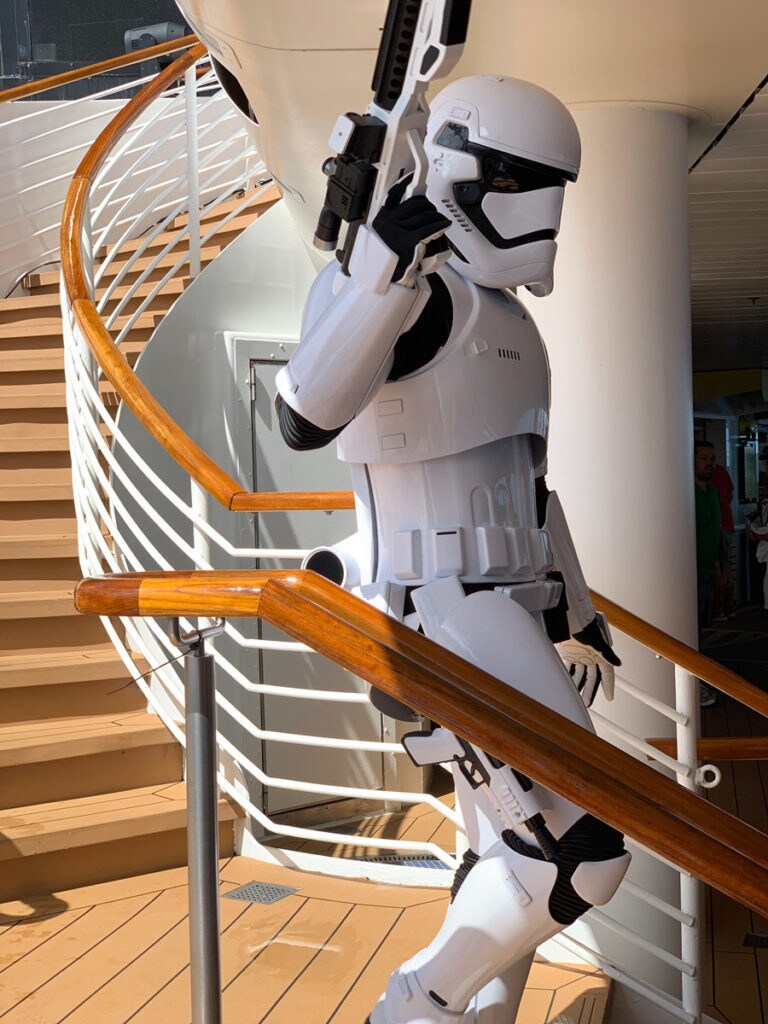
[
  {"x": 590, "y": 660},
  {"x": 414, "y": 231}
]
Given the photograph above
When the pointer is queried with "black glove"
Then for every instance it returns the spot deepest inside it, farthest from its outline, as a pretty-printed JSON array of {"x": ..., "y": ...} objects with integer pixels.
[
  {"x": 412, "y": 229},
  {"x": 590, "y": 660},
  {"x": 592, "y": 636}
]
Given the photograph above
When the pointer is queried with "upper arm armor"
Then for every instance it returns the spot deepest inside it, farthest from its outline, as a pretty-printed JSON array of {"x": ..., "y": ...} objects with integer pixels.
[{"x": 345, "y": 354}]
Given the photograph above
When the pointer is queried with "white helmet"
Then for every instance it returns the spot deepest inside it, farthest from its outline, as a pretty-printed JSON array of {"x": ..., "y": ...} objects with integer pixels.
[{"x": 500, "y": 151}]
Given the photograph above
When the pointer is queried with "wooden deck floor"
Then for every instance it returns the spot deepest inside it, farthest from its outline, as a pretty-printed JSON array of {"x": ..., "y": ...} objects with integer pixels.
[
  {"x": 119, "y": 952},
  {"x": 736, "y": 975}
]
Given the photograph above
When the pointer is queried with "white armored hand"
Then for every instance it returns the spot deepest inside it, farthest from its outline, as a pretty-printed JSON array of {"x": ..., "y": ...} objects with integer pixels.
[{"x": 590, "y": 660}]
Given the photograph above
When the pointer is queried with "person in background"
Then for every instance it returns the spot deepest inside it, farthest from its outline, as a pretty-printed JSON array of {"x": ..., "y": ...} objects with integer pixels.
[
  {"x": 724, "y": 582},
  {"x": 708, "y": 545},
  {"x": 758, "y": 531}
]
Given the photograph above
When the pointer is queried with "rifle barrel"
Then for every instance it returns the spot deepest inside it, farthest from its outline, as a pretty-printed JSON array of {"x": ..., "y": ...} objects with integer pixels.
[{"x": 394, "y": 52}]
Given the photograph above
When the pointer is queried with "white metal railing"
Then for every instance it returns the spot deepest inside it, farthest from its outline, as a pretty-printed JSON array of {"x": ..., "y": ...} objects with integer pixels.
[
  {"x": 111, "y": 479},
  {"x": 42, "y": 141}
]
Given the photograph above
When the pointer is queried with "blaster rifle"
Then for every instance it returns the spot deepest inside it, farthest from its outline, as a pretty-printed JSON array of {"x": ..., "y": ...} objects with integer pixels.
[{"x": 422, "y": 40}]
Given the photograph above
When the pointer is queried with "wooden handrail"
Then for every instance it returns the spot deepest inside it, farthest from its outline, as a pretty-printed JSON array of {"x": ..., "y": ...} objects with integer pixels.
[
  {"x": 681, "y": 654},
  {"x": 132, "y": 391},
  {"x": 23, "y": 92},
  {"x": 719, "y": 748},
  {"x": 145, "y": 408},
  {"x": 721, "y": 850}
]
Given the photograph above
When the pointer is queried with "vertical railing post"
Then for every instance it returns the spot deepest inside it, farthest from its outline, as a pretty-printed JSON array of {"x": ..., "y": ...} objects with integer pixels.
[
  {"x": 85, "y": 465},
  {"x": 687, "y": 702},
  {"x": 88, "y": 273},
  {"x": 88, "y": 253},
  {"x": 200, "y": 540},
  {"x": 193, "y": 172},
  {"x": 202, "y": 824}
]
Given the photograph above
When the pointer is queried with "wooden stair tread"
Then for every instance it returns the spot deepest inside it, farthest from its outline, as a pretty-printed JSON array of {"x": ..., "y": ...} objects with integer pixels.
[
  {"x": 234, "y": 226},
  {"x": 43, "y": 667},
  {"x": 22, "y": 599},
  {"x": 56, "y": 739},
  {"x": 37, "y": 486},
  {"x": 173, "y": 286},
  {"x": 36, "y": 529},
  {"x": 25, "y": 303},
  {"x": 53, "y": 327},
  {"x": 35, "y": 492},
  {"x": 39, "y": 544},
  {"x": 52, "y": 396},
  {"x": 33, "y": 586},
  {"x": 210, "y": 214},
  {"x": 51, "y": 360},
  {"x": 66, "y": 824},
  {"x": 38, "y": 438},
  {"x": 26, "y": 474},
  {"x": 207, "y": 254},
  {"x": 34, "y": 441}
]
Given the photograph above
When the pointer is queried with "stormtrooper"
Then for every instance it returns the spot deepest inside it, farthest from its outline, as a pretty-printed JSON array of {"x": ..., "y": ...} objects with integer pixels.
[{"x": 431, "y": 375}]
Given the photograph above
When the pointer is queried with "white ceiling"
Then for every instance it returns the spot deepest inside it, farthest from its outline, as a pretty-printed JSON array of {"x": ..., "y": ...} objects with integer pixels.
[{"x": 728, "y": 203}]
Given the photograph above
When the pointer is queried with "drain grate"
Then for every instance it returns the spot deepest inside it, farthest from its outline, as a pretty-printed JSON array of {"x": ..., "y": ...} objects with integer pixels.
[
  {"x": 260, "y": 892},
  {"x": 406, "y": 859}
]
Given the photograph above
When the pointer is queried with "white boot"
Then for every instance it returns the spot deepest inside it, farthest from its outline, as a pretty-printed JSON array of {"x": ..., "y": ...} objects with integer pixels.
[
  {"x": 405, "y": 1002},
  {"x": 506, "y": 906},
  {"x": 491, "y": 1005},
  {"x": 498, "y": 917}
]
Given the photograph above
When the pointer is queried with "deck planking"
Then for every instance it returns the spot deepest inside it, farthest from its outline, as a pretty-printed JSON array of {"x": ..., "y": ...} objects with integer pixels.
[
  {"x": 736, "y": 976},
  {"x": 119, "y": 952}
]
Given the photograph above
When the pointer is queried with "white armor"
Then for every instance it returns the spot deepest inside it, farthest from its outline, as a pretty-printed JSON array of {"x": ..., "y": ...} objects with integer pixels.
[{"x": 439, "y": 395}]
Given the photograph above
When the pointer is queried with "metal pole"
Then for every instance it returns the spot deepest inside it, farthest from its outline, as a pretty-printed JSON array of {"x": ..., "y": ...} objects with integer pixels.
[{"x": 202, "y": 834}]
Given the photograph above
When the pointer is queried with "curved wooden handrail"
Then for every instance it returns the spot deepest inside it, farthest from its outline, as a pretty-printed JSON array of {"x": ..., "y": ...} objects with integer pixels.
[
  {"x": 718, "y": 848},
  {"x": 23, "y": 92},
  {"x": 131, "y": 390},
  {"x": 681, "y": 654}
]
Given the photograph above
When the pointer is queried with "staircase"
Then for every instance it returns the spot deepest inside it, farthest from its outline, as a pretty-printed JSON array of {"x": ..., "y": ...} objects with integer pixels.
[{"x": 90, "y": 783}]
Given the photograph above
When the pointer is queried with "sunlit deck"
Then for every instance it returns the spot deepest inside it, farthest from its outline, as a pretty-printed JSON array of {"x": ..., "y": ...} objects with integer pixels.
[{"x": 119, "y": 952}]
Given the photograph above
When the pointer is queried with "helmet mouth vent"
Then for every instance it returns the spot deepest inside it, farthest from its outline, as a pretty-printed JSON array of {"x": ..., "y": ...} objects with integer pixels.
[{"x": 457, "y": 215}]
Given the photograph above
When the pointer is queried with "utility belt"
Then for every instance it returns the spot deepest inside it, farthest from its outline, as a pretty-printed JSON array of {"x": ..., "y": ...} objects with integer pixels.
[{"x": 533, "y": 595}]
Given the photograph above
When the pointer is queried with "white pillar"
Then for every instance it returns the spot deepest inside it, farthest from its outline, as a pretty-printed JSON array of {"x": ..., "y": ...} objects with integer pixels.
[{"x": 617, "y": 329}]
